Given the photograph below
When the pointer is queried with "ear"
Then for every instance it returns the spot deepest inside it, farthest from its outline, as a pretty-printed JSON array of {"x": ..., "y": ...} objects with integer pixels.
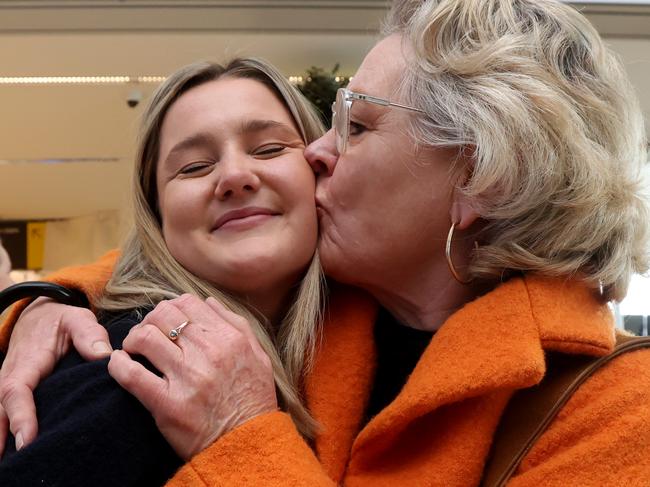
[{"x": 462, "y": 212}]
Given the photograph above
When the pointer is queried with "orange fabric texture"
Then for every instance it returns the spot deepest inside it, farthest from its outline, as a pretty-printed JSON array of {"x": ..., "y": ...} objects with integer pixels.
[{"x": 438, "y": 430}]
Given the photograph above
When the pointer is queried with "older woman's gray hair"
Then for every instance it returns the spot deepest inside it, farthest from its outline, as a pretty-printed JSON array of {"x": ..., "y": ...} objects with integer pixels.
[{"x": 552, "y": 126}]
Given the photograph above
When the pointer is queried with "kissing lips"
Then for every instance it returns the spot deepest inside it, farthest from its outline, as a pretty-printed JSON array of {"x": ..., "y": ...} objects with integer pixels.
[{"x": 321, "y": 210}]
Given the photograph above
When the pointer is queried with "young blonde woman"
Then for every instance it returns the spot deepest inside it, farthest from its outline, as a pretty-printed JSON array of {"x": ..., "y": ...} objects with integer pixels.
[{"x": 224, "y": 208}]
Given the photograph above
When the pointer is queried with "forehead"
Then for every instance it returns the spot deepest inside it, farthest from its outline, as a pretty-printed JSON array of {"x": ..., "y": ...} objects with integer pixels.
[
  {"x": 224, "y": 100},
  {"x": 382, "y": 68}
]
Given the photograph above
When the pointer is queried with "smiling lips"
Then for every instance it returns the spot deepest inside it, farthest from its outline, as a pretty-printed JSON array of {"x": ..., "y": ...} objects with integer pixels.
[{"x": 244, "y": 218}]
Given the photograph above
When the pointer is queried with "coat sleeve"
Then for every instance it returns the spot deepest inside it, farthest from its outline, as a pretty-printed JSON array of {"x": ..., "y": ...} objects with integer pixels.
[
  {"x": 267, "y": 450},
  {"x": 602, "y": 436},
  {"x": 89, "y": 279}
]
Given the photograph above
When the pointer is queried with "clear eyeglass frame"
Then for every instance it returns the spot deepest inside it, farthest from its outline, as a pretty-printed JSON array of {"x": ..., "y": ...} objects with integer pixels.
[{"x": 341, "y": 113}]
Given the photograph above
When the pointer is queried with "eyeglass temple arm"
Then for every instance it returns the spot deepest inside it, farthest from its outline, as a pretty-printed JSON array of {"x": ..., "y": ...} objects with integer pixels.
[{"x": 381, "y": 101}]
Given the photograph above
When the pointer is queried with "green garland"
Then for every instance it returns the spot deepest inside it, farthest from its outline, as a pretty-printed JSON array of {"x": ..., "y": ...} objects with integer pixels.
[{"x": 319, "y": 87}]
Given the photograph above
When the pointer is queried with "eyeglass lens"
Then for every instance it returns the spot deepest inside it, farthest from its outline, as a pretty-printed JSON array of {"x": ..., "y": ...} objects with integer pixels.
[{"x": 339, "y": 121}]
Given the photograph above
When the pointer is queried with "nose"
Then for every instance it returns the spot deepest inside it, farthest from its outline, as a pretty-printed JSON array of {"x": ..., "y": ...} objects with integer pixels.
[
  {"x": 322, "y": 155},
  {"x": 237, "y": 177}
]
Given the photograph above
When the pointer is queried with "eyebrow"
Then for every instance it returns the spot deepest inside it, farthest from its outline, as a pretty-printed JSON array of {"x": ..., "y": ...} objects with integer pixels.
[
  {"x": 256, "y": 125},
  {"x": 247, "y": 127},
  {"x": 195, "y": 140}
]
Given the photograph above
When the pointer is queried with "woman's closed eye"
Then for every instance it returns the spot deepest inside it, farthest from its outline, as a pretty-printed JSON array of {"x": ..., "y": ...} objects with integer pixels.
[
  {"x": 269, "y": 150},
  {"x": 195, "y": 168}
]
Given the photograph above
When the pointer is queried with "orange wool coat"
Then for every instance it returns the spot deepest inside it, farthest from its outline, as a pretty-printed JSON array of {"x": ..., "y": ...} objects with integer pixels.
[{"x": 438, "y": 431}]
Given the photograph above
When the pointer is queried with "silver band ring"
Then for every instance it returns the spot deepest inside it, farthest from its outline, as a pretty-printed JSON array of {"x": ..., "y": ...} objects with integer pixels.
[{"x": 176, "y": 332}]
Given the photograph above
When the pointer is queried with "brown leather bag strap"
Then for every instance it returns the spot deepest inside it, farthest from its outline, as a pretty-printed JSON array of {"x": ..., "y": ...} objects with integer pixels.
[{"x": 531, "y": 410}]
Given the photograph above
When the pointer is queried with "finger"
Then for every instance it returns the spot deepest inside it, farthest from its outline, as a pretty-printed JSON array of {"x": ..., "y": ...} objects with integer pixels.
[
  {"x": 32, "y": 354},
  {"x": 238, "y": 322},
  {"x": 230, "y": 317},
  {"x": 18, "y": 402},
  {"x": 166, "y": 316},
  {"x": 4, "y": 430},
  {"x": 146, "y": 386},
  {"x": 147, "y": 340},
  {"x": 90, "y": 338},
  {"x": 197, "y": 311},
  {"x": 18, "y": 409},
  {"x": 203, "y": 322}
]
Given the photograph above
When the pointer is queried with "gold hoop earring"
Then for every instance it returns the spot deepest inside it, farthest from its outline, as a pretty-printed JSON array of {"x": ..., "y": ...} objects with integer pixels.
[{"x": 450, "y": 263}]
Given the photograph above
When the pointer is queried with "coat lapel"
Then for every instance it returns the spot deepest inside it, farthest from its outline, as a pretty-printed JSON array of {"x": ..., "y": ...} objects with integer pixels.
[
  {"x": 338, "y": 387},
  {"x": 439, "y": 428},
  {"x": 570, "y": 318},
  {"x": 469, "y": 356}
]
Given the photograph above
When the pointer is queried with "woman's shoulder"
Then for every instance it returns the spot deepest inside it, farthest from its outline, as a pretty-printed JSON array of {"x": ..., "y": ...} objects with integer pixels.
[
  {"x": 602, "y": 432},
  {"x": 624, "y": 381}
]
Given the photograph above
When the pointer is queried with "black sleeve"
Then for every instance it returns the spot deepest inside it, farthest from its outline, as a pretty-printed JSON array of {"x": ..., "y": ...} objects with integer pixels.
[{"x": 91, "y": 431}]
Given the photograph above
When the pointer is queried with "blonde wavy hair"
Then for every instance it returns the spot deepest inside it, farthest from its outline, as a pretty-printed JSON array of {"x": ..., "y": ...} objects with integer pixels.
[
  {"x": 553, "y": 129},
  {"x": 147, "y": 273}
]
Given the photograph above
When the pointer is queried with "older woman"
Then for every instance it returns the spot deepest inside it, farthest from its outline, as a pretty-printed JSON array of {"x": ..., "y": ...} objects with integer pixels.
[{"x": 481, "y": 181}]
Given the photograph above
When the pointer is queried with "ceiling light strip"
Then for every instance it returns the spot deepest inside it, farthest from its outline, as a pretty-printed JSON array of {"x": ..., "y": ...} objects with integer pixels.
[
  {"x": 78, "y": 80},
  {"x": 61, "y": 160},
  {"x": 107, "y": 80}
]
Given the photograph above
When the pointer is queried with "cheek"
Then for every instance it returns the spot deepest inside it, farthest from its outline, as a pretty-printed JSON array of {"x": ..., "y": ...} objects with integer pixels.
[
  {"x": 357, "y": 184},
  {"x": 346, "y": 183},
  {"x": 180, "y": 199},
  {"x": 295, "y": 182},
  {"x": 304, "y": 204},
  {"x": 183, "y": 244},
  {"x": 174, "y": 234},
  {"x": 178, "y": 211}
]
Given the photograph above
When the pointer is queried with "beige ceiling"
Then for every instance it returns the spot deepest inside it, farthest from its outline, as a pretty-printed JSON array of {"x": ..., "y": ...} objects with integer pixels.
[{"x": 122, "y": 37}]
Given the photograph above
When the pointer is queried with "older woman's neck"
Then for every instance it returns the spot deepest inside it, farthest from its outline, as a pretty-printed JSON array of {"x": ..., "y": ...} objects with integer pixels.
[{"x": 425, "y": 300}]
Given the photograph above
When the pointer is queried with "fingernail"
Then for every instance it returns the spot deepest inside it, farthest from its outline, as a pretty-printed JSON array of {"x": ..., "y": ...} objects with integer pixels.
[
  {"x": 101, "y": 347},
  {"x": 19, "y": 441}
]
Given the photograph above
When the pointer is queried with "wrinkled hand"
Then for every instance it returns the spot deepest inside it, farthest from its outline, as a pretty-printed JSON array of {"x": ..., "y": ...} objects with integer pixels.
[
  {"x": 40, "y": 338},
  {"x": 216, "y": 376}
]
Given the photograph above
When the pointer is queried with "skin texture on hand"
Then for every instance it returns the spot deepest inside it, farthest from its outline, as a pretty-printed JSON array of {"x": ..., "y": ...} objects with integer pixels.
[
  {"x": 215, "y": 375},
  {"x": 41, "y": 336}
]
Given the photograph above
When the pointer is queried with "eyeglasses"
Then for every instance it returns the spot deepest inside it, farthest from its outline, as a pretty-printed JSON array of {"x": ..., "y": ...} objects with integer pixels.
[{"x": 341, "y": 113}]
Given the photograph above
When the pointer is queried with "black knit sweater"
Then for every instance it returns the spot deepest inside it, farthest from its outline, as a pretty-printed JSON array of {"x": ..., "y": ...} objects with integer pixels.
[{"x": 91, "y": 431}]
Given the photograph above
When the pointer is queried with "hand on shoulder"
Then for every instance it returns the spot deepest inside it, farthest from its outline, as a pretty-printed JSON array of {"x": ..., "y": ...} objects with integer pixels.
[{"x": 215, "y": 374}]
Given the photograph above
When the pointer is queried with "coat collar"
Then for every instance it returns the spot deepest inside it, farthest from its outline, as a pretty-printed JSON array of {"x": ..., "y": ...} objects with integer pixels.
[
  {"x": 498, "y": 342},
  {"x": 494, "y": 343},
  {"x": 337, "y": 390}
]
